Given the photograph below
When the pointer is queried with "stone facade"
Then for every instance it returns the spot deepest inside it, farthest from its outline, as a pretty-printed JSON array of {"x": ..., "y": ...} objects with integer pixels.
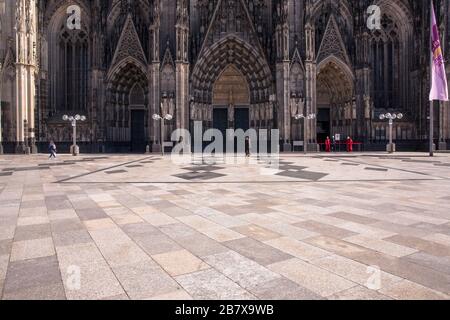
[{"x": 223, "y": 62}]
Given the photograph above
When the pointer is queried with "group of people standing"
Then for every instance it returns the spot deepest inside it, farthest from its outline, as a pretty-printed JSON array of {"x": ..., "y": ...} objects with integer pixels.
[{"x": 329, "y": 144}]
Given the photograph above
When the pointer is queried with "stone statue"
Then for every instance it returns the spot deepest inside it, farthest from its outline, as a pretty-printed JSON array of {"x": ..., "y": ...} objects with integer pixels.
[
  {"x": 367, "y": 106},
  {"x": 171, "y": 107},
  {"x": 231, "y": 107},
  {"x": 269, "y": 111},
  {"x": 194, "y": 111},
  {"x": 294, "y": 107}
]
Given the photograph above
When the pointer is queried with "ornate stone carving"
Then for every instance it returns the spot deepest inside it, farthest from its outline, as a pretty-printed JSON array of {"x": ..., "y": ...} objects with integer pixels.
[
  {"x": 129, "y": 44},
  {"x": 332, "y": 43}
]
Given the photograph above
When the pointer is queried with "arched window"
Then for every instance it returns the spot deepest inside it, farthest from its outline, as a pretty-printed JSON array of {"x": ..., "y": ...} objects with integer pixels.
[
  {"x": 385, "y": 61},
  {"x": 71, "y": 70}
]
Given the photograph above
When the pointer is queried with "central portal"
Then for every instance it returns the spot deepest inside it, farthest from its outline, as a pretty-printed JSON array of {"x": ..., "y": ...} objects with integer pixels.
[{"x": 231, "y": 102}]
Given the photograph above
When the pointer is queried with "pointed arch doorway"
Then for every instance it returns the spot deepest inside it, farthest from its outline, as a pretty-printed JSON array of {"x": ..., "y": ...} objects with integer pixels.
[
  {"x": 336, "y": 110},
  {"x": 231, "y": 100},
  {"x": 127, "y": 115}
]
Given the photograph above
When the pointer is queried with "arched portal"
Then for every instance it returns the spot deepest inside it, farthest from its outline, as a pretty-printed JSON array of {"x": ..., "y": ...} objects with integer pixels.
[
  {"x": 336, "y": 109},
  {"x": 231, "y": 100},
  {"x": 126, "y": 114},
  {"x": 232, "y": 84}
]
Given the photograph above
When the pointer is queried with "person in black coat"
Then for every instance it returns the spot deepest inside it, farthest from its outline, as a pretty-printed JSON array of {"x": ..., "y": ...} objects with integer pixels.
[
  {"x": 52, "y": 149},
  {"x": 247, "y": 147}
]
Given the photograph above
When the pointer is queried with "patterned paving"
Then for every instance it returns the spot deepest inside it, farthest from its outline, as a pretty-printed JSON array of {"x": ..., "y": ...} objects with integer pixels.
[{"x": 141, "y": 227}]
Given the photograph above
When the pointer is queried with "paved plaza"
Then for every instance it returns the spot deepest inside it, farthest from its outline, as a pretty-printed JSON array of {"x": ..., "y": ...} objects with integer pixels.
[{"x": 367, "y": 226}]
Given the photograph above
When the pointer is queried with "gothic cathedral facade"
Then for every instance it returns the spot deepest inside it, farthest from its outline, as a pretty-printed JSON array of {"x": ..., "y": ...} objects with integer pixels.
[{"x": 225, "y": 63}]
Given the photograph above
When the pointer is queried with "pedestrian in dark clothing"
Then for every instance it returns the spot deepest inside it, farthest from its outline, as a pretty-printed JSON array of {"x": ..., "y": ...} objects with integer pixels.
[
  {"x": 52, "y": 150},
  {"x": 247, "y": 147}
]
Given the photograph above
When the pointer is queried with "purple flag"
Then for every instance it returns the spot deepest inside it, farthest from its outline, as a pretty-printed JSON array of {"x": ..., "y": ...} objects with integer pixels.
[{"x": 439, "y": 88}]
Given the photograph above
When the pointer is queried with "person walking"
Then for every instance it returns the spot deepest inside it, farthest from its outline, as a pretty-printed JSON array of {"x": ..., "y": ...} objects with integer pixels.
[
  {"x": 247, "y": 147},
  {"x": 327, "y": 144},
  {"x": 52, "y": 150}
]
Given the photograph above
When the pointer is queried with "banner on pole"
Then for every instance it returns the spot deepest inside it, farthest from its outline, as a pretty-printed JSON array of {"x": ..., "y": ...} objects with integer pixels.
[{"x": 439, "y": 87}]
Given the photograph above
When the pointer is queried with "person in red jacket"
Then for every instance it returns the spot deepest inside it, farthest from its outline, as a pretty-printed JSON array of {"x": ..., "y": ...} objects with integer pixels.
[
  {"x": 349, "y": 144},
  {"x": 328, "y": 145}
]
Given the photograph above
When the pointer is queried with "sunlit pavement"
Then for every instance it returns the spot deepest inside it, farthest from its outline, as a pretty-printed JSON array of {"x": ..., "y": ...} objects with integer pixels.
[{"x": 322, "y": 226}]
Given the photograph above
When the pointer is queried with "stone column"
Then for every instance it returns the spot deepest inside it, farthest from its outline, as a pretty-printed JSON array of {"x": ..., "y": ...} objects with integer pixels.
[
  {"x": 182, "y": 65},
  {"x": 154, "y": 82},
  {"x": 282, "y": 76},
  {"x": 362, "y": 89},
  {"x": 98, "y": 96},
  {"x": 26, "y": 26},
  {"x": 311, "y": 86}
]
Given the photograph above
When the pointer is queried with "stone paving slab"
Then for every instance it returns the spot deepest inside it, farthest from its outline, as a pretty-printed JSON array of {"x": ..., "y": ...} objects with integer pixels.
[{"x": 364, "y": 227}]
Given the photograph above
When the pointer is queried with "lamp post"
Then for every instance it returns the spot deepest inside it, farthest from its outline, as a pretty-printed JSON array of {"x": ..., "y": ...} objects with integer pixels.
[
  {"x": 311, "y": 116},
  {"x": 74, "y": 149},
  {"x": 391, "y": 117},
  {"x": 167, "y": 117}
]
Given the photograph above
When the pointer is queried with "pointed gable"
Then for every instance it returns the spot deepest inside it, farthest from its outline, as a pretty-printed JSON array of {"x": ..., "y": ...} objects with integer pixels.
[
  {"x": 168, "y": 59},
  {"x": 332, "y": 43},
  {"x": 231, "y": 17},
  {"x": 9, "y": 60},
  {"x": 296, "y": 58},
  {"x": 129, "y": 44}
]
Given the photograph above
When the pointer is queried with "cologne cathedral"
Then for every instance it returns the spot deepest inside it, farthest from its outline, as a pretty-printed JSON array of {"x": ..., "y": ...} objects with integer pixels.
[{"x": 236, "y": 64}]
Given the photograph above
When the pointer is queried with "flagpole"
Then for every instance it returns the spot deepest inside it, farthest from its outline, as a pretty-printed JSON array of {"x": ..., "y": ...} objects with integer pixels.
[
  {"x": 431, "y": 128},
  {"x": 438, "y": 76},
  {"x": 431, "y": 134}
]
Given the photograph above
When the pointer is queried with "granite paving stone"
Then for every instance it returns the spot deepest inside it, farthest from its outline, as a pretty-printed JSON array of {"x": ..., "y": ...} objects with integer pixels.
[
  {"x": 240, "y": 269},
  {"x": 407, "y": 290},
  {"x": 318, "y": 280},
  {"x": 298, "y": 249},
  {"x": 429, "y": 247},
  {"x": 256, "y": 232},
  {"x": 359, "y": 293},
  {"x": 179, "y": 262},
  {"x": 212, "y": 285},
  {"x": 283, "y": 289},
  {"x": 144, "y": 280},
  {"x": 37, "y": 278},
  {"x": 31, "y": 249},
  {"x": 5, "y": 247},
  {"x": 257, "y": 251}
]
